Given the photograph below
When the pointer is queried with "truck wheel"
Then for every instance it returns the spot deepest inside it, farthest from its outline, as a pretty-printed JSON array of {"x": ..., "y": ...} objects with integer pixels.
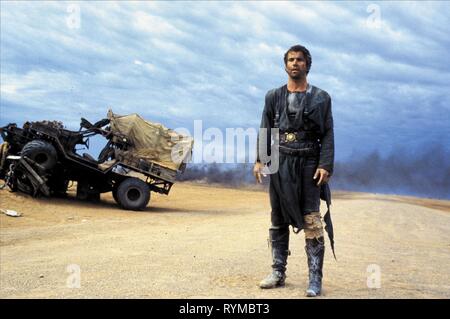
[
  {"x": 41, "y": 152},
  {"x": 133, "y": 194},
  {"x": 3, "y": 164},
  {"x": 3, "y": 153}
]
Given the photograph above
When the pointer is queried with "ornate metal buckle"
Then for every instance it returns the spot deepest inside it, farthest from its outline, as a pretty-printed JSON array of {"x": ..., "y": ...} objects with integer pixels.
[{"x": 290, "y": 137}]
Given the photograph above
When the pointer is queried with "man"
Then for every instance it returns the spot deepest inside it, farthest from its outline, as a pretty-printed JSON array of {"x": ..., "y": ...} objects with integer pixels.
[{"x": 302, "y": 113}]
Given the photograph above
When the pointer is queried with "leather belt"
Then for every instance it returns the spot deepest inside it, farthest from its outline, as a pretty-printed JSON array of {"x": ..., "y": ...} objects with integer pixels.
[{"x": 291, "y": 137}]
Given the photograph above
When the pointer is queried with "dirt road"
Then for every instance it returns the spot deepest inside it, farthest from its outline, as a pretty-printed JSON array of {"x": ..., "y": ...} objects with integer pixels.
[{"x": 211, "y": 242}]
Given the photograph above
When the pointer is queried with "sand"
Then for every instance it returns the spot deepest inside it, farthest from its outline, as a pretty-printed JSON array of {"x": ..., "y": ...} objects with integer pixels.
[{"x": 211, "y": 242}]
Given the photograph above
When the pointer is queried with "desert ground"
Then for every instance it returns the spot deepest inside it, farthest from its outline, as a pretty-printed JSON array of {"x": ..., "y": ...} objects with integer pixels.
[{"x": 206, "y": 241}]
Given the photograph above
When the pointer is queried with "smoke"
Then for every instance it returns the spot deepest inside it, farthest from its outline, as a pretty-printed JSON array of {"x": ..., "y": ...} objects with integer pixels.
[
  {"x": 423, "y": 173},
  {"x": 225, "y": 174}
]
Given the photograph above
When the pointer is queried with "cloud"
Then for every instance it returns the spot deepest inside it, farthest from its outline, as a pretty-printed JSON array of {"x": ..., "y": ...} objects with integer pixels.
[{"x": 176, "y": 63}]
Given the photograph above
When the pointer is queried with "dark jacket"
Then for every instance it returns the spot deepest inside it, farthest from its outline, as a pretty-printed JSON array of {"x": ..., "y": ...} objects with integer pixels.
[{"x": 318, "y": 118}]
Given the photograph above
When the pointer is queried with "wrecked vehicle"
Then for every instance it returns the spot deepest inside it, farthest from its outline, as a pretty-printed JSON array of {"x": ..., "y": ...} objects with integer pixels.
[{"x": 139, "y": 157}]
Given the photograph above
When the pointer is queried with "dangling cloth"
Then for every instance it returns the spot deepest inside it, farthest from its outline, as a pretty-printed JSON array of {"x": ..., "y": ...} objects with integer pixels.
[{"x": 325, "y": 194}]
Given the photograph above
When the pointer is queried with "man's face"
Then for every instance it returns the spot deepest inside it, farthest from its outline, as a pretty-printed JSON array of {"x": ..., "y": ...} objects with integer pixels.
[{"x": 296, "y": 65}]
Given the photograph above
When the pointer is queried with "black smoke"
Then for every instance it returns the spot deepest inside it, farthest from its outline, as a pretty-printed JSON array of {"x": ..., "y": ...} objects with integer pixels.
[
  {"x": 423, "y": 173},
  {"x": 226, "y": 174}
]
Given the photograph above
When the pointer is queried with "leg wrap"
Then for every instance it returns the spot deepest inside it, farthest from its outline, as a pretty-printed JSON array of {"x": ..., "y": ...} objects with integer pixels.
[{"x": 313, "y": 226}]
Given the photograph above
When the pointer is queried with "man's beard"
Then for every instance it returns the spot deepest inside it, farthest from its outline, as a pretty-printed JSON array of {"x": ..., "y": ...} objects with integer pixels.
[{"x": 299, "y": 75}]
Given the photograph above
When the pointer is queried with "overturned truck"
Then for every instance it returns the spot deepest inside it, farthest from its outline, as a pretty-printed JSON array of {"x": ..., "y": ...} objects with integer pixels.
[{"x": 41, "y": 159}]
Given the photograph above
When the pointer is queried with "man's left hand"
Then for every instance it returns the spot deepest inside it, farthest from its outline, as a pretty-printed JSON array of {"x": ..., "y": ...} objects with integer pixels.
[{"x": 323, "y": 175}]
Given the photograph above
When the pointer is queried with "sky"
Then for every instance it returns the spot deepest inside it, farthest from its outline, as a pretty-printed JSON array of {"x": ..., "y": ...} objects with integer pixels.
[{"x": 385, "y": 65}]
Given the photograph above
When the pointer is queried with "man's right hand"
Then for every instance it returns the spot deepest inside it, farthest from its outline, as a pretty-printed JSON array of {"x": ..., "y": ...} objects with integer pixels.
[{"x": 257, "y": 171}]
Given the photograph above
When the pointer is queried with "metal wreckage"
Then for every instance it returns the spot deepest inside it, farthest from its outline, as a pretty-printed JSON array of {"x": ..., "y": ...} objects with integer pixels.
[{"x": 139, "y": 157}]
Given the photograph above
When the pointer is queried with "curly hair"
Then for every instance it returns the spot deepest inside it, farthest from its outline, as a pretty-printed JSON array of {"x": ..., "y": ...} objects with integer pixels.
[{"x": 305, "y": 51}]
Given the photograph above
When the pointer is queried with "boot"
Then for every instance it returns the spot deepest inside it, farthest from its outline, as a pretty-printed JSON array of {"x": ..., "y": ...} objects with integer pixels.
[
  {"x": 315, "y": 249},
  {"x": 279, "y": 238}
]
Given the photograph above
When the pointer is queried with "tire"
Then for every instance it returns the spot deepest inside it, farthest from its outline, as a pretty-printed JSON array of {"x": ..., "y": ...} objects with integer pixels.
[
  {"x": 133, "y": 194},
  {"x": 3, "y": 163},
  {"x": 3, "y": 153},
  {"x": 41, "y": 152}
]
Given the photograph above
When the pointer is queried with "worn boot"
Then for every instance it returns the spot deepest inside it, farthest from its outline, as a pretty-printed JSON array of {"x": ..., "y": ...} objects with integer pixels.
[
  {"x": 315, "y": 249},
  {"x": 279, "y": 238}
]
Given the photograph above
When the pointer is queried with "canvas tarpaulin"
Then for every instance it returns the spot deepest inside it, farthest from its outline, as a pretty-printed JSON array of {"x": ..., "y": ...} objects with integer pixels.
[{"x": 151, "y": 141}]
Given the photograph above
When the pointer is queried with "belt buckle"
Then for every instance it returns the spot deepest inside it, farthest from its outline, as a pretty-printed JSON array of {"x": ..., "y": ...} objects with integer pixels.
[{"x": 290, "y": 137}]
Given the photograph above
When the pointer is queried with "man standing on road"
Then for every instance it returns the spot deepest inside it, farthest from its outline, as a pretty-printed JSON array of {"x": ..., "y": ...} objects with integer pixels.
[{"x": 302, "y": 113}]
